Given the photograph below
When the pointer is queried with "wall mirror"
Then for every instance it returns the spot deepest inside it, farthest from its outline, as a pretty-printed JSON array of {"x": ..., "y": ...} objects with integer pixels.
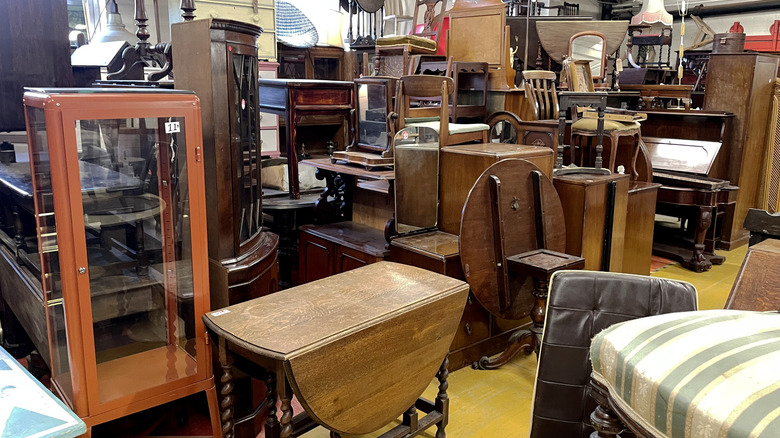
[
  {"x": 590, "y": 46},
  {"x": 416, "y": 179}
]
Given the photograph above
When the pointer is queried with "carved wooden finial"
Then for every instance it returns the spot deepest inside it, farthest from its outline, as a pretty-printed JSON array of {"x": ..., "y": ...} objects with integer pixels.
[
  {"x": 141, "y": 18},
  {"x": 188, "y": 6}
]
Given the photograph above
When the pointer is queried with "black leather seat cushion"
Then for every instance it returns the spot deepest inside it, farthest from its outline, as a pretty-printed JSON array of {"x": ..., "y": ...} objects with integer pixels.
[{"x": 580, "y": 304}]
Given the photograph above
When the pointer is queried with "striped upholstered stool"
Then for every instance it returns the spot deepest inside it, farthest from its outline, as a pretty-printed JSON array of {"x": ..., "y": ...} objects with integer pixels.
[{"x": 690, "y": 374}]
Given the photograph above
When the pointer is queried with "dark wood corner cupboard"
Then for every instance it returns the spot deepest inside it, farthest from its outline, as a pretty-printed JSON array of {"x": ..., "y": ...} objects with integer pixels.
[{"x": 218, "y": 60}]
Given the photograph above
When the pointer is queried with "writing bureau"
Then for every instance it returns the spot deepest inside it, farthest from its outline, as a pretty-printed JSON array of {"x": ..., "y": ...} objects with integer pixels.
[{"x": 117, "y": 184}]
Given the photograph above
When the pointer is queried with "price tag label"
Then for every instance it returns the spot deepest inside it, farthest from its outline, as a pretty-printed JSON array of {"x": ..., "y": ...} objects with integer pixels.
[{"x": 172, "y": 127}]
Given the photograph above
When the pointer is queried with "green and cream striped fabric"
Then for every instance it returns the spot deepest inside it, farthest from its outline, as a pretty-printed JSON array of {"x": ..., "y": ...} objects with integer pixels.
[{"x": 708, "y": 374}]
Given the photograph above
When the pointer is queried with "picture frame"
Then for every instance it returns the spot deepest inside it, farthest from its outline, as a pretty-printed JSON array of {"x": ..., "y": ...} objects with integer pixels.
[{"x": 579, "y": 75}]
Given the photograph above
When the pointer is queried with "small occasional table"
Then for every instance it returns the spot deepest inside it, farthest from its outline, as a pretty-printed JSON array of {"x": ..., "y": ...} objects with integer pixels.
[
  {"x": 294, "y": 99},
  {"x": 357, "y": 349},
  {"x": 29, "y": 409}
]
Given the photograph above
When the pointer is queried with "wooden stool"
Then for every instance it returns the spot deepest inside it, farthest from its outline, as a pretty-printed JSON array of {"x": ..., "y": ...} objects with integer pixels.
[{"x": 540, "y": 265}]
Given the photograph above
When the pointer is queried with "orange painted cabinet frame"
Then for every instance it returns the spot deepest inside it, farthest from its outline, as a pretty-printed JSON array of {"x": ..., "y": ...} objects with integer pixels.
[{"x": 120, "y": 216}]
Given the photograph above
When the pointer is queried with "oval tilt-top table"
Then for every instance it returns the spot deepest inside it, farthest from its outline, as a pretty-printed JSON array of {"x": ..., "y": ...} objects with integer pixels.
[
  {"x": 357, "y": 349},
  {"x": 512, "y": 238}
]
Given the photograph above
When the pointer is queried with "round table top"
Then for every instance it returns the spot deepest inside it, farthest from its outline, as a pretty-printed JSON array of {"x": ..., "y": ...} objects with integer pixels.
[{"x": 478, "y": 244}]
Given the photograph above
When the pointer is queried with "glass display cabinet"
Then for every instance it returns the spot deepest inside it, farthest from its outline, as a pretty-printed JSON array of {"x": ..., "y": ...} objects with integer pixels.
[{"x": 117, "y": 181}]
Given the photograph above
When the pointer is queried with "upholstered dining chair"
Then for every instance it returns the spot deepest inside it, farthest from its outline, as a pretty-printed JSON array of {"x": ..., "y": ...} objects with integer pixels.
[
  {"x": 418, "y": 89},
  {"x": 581, "y": 304},
  {"x": 584, "y": 130}
]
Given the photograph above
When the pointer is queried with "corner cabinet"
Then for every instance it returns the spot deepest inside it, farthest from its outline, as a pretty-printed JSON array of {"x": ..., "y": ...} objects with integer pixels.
[
  {"x": 117, "y": 181},
  {"x": 217, "y": 59}
]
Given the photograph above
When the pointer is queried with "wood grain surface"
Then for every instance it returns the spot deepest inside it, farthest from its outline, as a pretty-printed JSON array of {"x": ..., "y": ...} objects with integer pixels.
[{"x": 477, "y": 253}]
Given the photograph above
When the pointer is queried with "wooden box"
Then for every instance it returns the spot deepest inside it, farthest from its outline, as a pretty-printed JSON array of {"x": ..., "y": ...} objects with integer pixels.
[
  {"x": 640, "y": 221},
  {"x": 461, "y": 166},
  {"x": 585, "y": 200}
]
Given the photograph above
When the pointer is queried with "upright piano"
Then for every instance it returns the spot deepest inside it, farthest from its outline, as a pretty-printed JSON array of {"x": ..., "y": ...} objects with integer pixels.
[{"x": 688, "y": 151}]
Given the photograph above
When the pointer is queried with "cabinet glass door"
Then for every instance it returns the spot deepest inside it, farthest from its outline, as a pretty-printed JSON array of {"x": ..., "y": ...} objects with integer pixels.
[
  {"x": 49, "y": 251},
  {"x": 135, "y": 198},
  {"x": 244, "y": 136}
]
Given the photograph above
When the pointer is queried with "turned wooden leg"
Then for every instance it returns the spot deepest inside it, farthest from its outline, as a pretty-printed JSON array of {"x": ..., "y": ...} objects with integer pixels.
[
  {"x": 442, "y": 400},
  {"x": 606, "y": 423},
  {"x": 287, "y": 412},
  {"x": 537, "y": 312},
  {"x": 226, "y": 390},
  {"x": 272, "y": 426},
  {"x": 698, "y": 261},
  {"x": 411, "y": 419}
]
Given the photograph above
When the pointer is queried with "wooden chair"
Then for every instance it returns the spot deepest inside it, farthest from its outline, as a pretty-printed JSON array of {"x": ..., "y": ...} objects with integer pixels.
[
  {"x": 421, "y": 88},
  {"x": 541, "y": 95},
  {"x": 583, "y": 131},
  {"x": 580, "y": 305},
  {"x": 393, "y": 52}
]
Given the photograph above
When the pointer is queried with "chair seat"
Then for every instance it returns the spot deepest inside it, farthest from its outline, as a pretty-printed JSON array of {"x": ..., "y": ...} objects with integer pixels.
[
  {"x": 416, "y": 44},
  {"x": 455, "y": 128},
  {"x": 670, "y": 375},
  {"x": 609, "y": 125}
]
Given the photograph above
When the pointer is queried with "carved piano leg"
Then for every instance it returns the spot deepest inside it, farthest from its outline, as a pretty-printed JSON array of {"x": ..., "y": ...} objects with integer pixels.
[{"x": 698, "y": 262}]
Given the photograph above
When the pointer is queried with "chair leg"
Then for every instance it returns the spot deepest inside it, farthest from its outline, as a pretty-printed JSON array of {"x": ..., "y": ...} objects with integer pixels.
[
  {"x": 614, "y": 137},
  {"x": 606, "y": 423}
]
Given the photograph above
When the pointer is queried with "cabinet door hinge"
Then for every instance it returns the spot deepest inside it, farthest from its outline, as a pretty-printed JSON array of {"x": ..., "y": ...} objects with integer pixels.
[
  {"x": 198, "y": 154},
  {"x": 206, "y": 335}
]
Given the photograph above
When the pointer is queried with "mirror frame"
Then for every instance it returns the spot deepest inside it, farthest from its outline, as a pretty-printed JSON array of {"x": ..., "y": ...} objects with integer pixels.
[{"x": 602, "y": 70}]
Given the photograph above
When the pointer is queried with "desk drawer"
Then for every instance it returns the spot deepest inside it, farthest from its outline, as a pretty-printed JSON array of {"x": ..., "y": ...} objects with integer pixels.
[{"x": 323, "y": 96}]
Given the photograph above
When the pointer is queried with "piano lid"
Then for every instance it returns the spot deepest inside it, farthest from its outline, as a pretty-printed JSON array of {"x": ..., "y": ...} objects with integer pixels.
[{"x": 689, "y": 156}]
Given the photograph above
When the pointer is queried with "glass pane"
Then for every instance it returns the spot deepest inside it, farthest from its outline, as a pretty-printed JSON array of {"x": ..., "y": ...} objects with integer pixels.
[
  {"x": 136, "y": 216},
  {"x": 245, "y": 139},
  {"x": 416, "y": 179},
  {"x": 589, "y": 47},
  {"x": 326, "y": 68},
  {"x": 372, "y": 113},
  {"x": 49, "y": 250}
]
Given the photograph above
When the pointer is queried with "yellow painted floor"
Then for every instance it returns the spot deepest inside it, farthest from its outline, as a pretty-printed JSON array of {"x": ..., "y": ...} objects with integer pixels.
[{"x": 497, "y": 404}]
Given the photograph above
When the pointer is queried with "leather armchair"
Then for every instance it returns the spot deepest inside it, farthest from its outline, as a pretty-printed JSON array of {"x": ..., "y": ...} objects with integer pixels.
[{"x": 580, "y": 304}]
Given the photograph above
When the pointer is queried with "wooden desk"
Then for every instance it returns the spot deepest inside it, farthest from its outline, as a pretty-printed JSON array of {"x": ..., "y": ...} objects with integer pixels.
[
  {"x": 356, "y": 357},
  {"x": 294, "y": 99},
  {"x": 29, "y": 409}
]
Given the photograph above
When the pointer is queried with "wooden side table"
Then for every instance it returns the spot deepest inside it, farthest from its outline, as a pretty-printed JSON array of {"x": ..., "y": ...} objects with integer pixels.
[
  {"x": 356, "y": 357},
  {"x": 294, "y": 99}
]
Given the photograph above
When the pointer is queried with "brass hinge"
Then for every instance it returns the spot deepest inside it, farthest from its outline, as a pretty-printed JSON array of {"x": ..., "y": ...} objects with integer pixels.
[
  {"x": 207, "y": 337},
  {"x": 198, "y": 154}
]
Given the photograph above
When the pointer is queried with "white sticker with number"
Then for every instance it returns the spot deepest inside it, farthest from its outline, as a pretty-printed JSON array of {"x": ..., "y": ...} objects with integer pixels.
[{"x": 172, "y": 127}]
